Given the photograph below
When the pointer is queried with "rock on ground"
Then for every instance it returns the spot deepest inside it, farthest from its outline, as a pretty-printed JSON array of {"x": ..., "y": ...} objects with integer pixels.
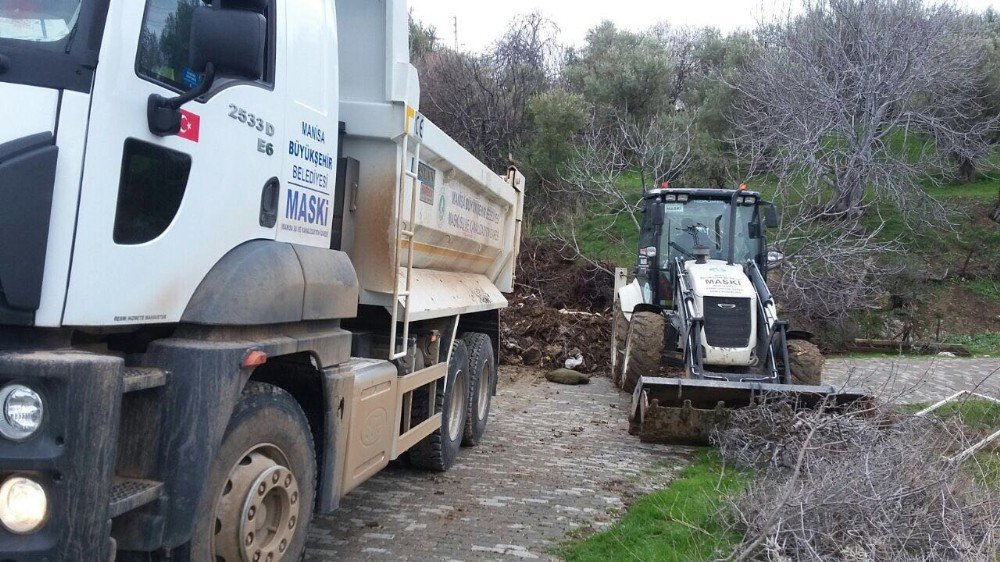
[{"x": 567, "y": 377}]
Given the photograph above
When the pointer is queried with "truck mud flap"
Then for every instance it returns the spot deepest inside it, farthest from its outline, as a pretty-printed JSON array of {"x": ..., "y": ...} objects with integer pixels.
[{"x": 687, "y": 411}]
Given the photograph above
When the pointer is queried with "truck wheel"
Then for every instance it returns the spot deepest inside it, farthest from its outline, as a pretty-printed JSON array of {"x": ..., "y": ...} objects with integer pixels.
[
  {"x": 262, "y": 485},
  {"x": 481, "y": 373},
  {"x": 805, "y": 362},
  {"x": 619, "y": 331},
  {"x": 643, "y": 348},
  {"x": 438, "y": 450}
]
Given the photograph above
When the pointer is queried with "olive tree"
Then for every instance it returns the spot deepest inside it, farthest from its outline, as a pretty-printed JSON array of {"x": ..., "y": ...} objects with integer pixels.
[{"x": 622, "y": 70}]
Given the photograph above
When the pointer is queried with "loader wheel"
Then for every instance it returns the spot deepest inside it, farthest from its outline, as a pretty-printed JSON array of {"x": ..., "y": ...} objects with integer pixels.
[
  {"x": 438, "y": 450},
  {"x": 481, "y": 373},
  {"x": 643, "y": 348},
  {"x": 262, "y": 485},
  {"x": 805, "y": 362},
  {"x": 619, "y": 331}
]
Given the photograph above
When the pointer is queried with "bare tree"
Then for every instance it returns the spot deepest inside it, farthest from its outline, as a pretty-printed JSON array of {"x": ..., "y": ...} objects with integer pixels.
[
  {"x": 612, "y": 150},
  {"x": 657, "y": 150},
  {"x": 481, "y": 99},
  {"x": 861, "y": 99},
  {"x": 827, "y": 273}
]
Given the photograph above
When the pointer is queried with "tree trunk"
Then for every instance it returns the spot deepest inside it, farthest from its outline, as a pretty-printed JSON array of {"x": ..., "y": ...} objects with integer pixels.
[
  {"x": 848, "y": 199},
  {"x": 996, "y": 210},
  {"x": 966, "y": 169}
]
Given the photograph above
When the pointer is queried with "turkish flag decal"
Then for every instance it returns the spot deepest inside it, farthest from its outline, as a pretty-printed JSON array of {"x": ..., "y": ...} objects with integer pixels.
[{"x": 190, "y": 126}]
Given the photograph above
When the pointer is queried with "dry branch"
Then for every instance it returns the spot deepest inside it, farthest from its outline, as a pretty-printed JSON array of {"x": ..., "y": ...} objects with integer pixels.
[{"x": 863, "y": 485}]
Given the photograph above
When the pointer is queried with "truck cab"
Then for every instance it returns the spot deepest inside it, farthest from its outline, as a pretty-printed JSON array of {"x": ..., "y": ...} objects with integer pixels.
[{"x": 216, "y": 213}]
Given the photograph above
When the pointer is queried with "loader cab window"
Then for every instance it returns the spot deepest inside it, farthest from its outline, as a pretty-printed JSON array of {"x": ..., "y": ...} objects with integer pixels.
[
  {"x": 164, "y": 44},
  {"x": 706, "y": 223}
]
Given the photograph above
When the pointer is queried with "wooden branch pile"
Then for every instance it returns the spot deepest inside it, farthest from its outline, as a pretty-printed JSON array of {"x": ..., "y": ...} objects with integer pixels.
[{"x": 863, "y": 485}]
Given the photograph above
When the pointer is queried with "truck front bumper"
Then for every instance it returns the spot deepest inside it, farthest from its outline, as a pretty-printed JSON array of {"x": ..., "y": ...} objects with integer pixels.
[{"x": 72, "y": 455}]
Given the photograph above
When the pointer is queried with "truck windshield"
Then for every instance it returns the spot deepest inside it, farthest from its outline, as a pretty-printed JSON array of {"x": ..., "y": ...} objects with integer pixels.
[
  {"x": 705, "y": 223},
  {"x": 40, "y": 21}
]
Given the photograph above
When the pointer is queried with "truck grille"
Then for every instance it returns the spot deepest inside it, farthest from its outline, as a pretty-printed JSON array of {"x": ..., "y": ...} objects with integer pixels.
[{"x": 727, "y": 322}]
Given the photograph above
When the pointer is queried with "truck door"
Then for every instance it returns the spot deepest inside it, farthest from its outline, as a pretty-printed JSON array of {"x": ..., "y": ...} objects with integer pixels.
[{"x": 157, "y": 213}]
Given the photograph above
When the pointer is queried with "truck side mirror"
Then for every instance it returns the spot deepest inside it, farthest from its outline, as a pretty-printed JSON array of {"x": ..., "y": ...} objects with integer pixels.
[
  {"x": 771, "y": 216},
  {"x": 223, "y": 41},
  {"x": 233, "y": 41}
]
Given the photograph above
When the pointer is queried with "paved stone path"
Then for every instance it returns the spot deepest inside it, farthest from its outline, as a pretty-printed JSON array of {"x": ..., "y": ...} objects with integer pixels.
[
  {"x": 555, "y": 458},
  {"x": 916, "y": 379}
]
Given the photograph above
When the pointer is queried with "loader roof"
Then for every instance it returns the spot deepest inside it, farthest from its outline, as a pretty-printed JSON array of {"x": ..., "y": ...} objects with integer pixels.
[{"x": 696, "y": 193}]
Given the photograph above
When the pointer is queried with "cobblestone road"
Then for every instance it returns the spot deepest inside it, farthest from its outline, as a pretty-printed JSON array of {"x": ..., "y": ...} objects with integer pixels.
[
  {"x": 916, "y": 379},
  {"x": 555, "y": 458}
]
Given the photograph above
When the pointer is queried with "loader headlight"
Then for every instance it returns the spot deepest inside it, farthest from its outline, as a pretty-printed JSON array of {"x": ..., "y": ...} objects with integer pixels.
[
  {"x": 22, "y": 412},
  {"x": 23, "y": 505}
]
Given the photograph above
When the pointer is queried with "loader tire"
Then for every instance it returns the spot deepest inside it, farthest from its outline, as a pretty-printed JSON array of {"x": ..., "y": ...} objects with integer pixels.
[
  {"x": 438, "y": 450},
  {"x": 482, "y": 371},
  {"x": 643, "y": 348},
  {"x": 619, "y": 332},
  {"x": 805, "y": 362}
]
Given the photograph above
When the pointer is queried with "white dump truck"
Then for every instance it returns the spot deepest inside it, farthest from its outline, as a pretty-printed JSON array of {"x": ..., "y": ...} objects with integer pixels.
[{"x": 240, "y": 273}]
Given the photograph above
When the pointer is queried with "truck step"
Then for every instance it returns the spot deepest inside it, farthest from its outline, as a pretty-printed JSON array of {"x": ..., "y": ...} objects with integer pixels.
[
  {"x": 131, "y": 493},
  {"x": 143, "y": 378}
]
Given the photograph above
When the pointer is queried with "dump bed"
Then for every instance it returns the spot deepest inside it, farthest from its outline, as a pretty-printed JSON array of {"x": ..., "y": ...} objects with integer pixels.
[{"x": 466, "y": 218}]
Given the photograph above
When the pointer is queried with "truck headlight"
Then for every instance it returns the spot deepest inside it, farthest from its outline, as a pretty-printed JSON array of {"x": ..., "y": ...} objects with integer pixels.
[
  {"x": 22, "y": 412},
  {"x": 23, "y": 505}
]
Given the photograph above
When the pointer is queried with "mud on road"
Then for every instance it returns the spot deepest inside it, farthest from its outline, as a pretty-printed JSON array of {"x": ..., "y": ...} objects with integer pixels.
[{"x": 555, "y": 459}]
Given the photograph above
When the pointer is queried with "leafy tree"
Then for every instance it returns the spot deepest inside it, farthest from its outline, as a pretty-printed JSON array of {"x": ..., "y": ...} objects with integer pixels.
[
  {"x": 423, "y": 39},
  {"x": 555, "y": 118},
  {"x": 175, "y": 39},
  {"x": 716, "y": 61},
  {"x": 622, "y": 70}
]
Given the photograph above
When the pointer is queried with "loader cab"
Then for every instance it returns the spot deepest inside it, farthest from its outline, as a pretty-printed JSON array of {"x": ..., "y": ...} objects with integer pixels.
[{"x": 727, "y": 225}]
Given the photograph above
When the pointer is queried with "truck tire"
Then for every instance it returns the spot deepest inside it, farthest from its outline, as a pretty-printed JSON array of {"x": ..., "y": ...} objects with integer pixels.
[
  {"x": 481, "y": 372},
  {"x": 643, "y": 348},
  {"x": 438, "y": 450},
  {"x": 265, "y": 469},
  {"x": 805, "y": 363},
  {"x": 619, "y": 331}
]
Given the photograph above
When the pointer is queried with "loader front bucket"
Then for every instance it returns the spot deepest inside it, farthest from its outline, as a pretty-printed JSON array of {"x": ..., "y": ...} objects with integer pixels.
[{"x": 686, "y": 411}]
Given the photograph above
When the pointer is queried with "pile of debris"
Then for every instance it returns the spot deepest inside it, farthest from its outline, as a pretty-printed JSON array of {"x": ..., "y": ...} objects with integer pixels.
[
  {"x": 871, "y": 484},
  {"x": 559, "y": 315}
]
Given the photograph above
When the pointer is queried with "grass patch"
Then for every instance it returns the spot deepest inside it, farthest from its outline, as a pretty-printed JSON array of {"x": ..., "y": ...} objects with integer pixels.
[
  {"x": 983, "y": 418},
  {"x": 986, "y": 467},
  {"x": 679, "y": 523},
  {"x": 987, "y": 288},
  {"x": 976, "y": 414},
  {"x": 984, "y": 343}
]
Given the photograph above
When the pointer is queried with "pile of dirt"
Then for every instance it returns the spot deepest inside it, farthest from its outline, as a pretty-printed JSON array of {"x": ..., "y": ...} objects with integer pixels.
[
  {"x": 562, "y": 282},
  {"x": 560, "y": 310}
]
